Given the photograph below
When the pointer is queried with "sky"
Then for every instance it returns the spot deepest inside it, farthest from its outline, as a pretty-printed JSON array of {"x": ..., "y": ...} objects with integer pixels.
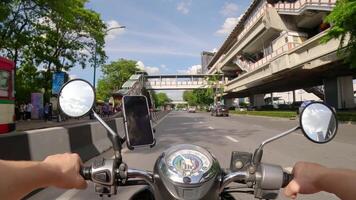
[{"x": 164, "y": 36}]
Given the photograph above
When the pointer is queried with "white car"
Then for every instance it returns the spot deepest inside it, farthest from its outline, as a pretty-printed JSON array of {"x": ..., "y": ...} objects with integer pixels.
[{"x": 192, "y": 110}]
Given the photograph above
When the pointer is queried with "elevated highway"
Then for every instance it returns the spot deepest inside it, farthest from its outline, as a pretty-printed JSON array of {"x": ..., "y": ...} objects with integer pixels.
[{"x": 278, "y": 49}]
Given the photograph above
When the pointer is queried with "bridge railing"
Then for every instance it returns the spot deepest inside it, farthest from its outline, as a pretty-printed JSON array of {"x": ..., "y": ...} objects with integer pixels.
[
  {"x": 253, "y": 66},
  {"x": 301, "y": 4}
]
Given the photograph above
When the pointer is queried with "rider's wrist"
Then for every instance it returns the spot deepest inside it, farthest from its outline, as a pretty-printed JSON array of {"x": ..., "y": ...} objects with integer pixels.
[
  {"x": 322, "y": 178},
  {"x": 50, "y": 172}
]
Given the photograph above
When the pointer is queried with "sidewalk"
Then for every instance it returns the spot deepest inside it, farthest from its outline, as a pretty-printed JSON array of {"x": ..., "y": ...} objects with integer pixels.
[{"x": 39, "y": 124}]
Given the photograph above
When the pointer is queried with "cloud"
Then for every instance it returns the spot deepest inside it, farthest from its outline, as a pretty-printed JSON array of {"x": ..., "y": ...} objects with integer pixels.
[
  {"x": 184, "y": 6},
  {"x": 229, "y": 9},
  {"x": 228, "y": 25},
  {"x": 72, "y": 76},
  {"x": 164, "y": 67},
  {"x": 195, "y": 69},
  {"x": 113, "y": 33},
  {"x": 149, "y": 70}
]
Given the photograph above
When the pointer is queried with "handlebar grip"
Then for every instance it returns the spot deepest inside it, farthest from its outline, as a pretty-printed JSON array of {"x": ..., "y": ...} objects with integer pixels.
[
  {"x": 85, "y": 172},
  {"x": 286, "y": 179}
]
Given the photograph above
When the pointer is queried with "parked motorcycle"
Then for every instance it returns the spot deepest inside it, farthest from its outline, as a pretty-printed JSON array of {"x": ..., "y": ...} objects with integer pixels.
[{"x": 186, "y": 171}]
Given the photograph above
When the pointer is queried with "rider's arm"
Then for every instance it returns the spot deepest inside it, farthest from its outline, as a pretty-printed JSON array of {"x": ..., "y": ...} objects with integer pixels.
[
  {"x": 19, "y": 178},
  {"x": 311, "y": 178}
]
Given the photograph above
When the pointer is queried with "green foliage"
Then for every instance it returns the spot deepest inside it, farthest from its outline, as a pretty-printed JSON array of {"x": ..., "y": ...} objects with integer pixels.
[
  {"x": 282, "y": 114},
  {"x": 103, "y": 90},
  {"x": 343, "y": 19},
  {"x": 54, "y": 35},
  {"x": 199, "y": 97},
  {"x": 161, "y": 99},
  {"x": 189, "y": 97},
  {"x": 115, "y": 75},
  {"x": 29, "y": 80},
  {"x": 60, "y": 33}
]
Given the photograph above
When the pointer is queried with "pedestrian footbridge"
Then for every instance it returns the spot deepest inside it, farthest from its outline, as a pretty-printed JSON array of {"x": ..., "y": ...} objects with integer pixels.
[{"x": 180, "y": 82}]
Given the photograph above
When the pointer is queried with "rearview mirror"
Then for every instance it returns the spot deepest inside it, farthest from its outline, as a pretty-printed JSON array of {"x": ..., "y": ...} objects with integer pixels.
[
  {"x": 318, "y": 122},
  {"x": 76, "y": 98}
]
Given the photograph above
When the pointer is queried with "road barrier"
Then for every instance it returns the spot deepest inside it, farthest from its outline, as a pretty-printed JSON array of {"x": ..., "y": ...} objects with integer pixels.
[{"x": 88, "y": 140}]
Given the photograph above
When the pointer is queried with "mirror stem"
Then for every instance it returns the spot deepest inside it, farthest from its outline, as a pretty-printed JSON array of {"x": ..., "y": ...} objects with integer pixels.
[
  {"x": 257, "y": 156},
  {"x": 116, "y": 140}
]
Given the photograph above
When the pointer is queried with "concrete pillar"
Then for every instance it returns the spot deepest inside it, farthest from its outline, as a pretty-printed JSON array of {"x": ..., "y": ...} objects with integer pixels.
[
  {"x": 228, "y": 102},
  {"x": 293, "y": 96},
  {"x": 339, "y": 92},
  {"x": 257, "y": 100}
]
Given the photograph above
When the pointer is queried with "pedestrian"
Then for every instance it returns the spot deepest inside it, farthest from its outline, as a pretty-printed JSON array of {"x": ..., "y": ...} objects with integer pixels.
[
  {"x": 50, "y": 111},
  {"x": 29, "y": 108},
  {"x": 46, "y": 112},
  {"x": 22, "y": 111}
]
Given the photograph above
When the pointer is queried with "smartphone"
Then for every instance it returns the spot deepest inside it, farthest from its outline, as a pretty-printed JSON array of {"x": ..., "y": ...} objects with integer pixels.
[{"x": 138, "y": 126}]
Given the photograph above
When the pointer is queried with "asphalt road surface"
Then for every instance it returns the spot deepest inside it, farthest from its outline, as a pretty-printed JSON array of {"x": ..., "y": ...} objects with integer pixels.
[{"x": 221, "y": 136}]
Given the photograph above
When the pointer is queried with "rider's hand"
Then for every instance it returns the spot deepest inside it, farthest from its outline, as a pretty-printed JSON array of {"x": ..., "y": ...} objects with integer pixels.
[
  {"x": 65, "y": 169},
  {"x": 306, "y": 179}
]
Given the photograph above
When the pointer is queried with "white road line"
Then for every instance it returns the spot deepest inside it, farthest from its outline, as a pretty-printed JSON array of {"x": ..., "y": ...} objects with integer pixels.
[
  {"x": 210, "y": 128},
  {"x": 231, "y": 138},
  {"x": 68, "y": 194},
  {"x": 190, "y": 123}
]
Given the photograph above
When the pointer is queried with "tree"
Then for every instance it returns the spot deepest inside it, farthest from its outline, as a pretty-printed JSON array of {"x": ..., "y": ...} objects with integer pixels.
[
  {"x": 161, "y": 99},
  {"x": 201, "y": 97},
  {"x": 54, "y": 35},
  {"x": 343, "y": 26},
  {"x": 189, "y": 97},
  {"x": 115, "y": 75},
  {"x": 62, "y": 33}
]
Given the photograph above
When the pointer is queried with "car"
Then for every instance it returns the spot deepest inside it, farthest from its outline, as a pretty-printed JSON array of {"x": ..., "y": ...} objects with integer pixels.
[
  {"x": 220, "y": 110},
  {"x": 303, "y": 105},
  {"x": 191, "y": 110}
]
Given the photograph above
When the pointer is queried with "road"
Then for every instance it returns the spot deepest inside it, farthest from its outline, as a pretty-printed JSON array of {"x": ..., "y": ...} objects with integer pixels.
[{"x": 221, "y": 136}]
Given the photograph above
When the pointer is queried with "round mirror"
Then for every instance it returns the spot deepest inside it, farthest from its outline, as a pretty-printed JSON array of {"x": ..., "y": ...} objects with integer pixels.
[
  {"x": 76, "y": 98},
  {"x": 318, "y": 122}
]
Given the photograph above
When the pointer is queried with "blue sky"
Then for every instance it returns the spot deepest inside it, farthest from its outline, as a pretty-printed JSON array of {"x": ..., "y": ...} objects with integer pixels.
[{"x": 166, "y": 36}]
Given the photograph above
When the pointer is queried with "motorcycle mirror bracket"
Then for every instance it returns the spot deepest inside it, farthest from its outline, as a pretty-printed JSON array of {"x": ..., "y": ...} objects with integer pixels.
[
  {"x": 76, "y": 99},
  {"x": 115, "y": 139},
  {"x": 257, "y": 156}
]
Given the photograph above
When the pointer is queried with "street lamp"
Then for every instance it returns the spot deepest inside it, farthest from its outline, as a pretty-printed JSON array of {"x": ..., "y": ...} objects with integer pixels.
[{"x": 96, "y": 46}]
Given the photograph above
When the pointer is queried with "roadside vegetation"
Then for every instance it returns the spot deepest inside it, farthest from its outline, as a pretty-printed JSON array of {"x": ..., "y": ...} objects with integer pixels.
[
  {"x": 341, "y": 116},
  {"x": 281, "y": 114}
]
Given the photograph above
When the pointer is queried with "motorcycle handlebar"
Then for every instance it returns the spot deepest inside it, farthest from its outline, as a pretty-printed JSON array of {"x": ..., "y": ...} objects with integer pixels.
[
  {"x": 85, "y": 172},
  {"x": 286, "y": 179}
]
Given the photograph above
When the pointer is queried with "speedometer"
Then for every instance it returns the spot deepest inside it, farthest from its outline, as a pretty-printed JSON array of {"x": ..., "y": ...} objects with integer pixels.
[
  {"x": 187, "y": 172},
  {"x": 188, "y": 162}
]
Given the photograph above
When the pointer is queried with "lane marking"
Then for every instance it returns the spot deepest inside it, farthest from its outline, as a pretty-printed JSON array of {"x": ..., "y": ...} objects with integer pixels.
[
  {"x": 190, "y": 123},
  {"x": 211, "y": 128},
  {"x": 231, "y": 138}
]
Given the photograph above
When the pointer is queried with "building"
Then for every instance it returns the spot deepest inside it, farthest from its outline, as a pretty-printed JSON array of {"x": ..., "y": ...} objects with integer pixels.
[
  {"x": 205, "y": 60},
  {"x": 276, "y": 48}
]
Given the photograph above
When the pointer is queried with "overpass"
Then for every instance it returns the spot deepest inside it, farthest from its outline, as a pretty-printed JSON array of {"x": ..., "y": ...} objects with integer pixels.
[
  {"x": 276, "y": 48},
  {"x": 143, "y": 84},
  {"x": 180, "y": 82}
]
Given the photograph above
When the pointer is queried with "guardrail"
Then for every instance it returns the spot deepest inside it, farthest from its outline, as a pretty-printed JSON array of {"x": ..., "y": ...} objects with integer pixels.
[{"x": 88, "y": 140}]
